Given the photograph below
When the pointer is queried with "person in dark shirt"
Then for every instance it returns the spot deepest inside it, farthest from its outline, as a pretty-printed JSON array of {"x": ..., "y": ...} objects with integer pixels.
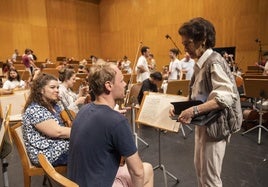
[
  {"x": 101, "y": 137},
  {"x": 150, "y": 84}
]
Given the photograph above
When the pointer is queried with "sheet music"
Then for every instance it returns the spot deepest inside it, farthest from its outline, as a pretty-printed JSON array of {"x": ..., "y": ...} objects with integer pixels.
[{"x": 154, "y": 111}]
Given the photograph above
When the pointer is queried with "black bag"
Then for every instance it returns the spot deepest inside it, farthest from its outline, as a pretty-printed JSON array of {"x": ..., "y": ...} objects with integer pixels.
[{"x": 219, "y": 123}]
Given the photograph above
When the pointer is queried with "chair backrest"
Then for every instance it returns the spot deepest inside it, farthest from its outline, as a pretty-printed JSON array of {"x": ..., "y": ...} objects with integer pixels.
[
  {"x": 53, "y": 174},
  {"x": 178, "y": 87},
  {"x": 5, "y": 136},
  {"x": 133, "y": 94},
  {"x": 4, "y": 125},
  {"x": 257, "y": 88},
  {"x": 24, "y": 74},
  {"x": 51, "y": 71},
  {"x": 77, "y": 85},
  {"x": 16, "y": 133}
]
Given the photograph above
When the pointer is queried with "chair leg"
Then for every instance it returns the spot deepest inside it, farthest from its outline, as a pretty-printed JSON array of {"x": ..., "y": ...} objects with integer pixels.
[
  {"x": 46, "y": 178},
  {"x": 27, "y": 180}
]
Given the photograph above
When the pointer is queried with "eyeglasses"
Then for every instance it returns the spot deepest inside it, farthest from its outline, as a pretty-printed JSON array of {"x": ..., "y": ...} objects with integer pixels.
[{"x": 187, "y": 43}]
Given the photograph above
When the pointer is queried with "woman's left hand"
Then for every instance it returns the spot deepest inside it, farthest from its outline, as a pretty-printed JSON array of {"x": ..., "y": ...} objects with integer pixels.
[{"x": 186, "y": 116}]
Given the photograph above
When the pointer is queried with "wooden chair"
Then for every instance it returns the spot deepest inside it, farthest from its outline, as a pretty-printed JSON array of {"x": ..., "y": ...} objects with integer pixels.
[
  {"x": 127, "y": 78},
  {"x": 81, "y": 75},
  {"x": 133, "y": 94},
  {"x": 178, "y": 87},
  {"x": 5, "y": 144},
  {"x": 24, "y": 74},
  {"x": 19, "y": 66},
  {"x": 29, "y": 169},
  {"x": 51, "y": 71},
  {"x": 53, "y": 174},
  {"x": 77, "y": 84},
  {"x": 50, "y": 66}
]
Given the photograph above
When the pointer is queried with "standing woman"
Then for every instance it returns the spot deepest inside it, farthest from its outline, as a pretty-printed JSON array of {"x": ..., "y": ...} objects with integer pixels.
[
  {"x": 198, "y": 38},
  {"x": 43, "y": 129},
  {"x": 70, "y": 99},
  {"x": 13, "y": 81}
]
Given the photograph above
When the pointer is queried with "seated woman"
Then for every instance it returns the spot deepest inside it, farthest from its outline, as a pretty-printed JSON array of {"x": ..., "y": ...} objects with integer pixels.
[
  {"x": 43, "y": 129},
  {"x": 13, "y": 81},
  {"x": 70, "y": 99}
]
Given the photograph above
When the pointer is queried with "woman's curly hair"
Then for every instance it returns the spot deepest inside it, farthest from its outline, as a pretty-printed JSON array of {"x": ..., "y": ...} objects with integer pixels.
[
  {"x": 36, "y": 92},
  {"x": 199, "y": 29}
]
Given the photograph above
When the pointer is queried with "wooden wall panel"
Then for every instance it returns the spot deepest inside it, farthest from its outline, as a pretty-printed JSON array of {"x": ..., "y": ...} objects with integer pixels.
[
  {"x": 50, "y": 27},
  {"x": 73, "y": 28},
  {"x": 115, "y": 28},
  {"x": 238, "y": 23}
]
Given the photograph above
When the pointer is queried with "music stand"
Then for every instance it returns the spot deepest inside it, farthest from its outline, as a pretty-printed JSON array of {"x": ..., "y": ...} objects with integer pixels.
[
  {"x": 133, "y": 117},
  {"x": 160, "y": 165},
  {"x": 154, "y": 112},
  {"x": 258, "y": 89}
]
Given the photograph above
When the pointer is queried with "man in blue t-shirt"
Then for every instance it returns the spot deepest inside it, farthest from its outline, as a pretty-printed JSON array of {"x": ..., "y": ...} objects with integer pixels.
[{"x": 101, "y": 136}]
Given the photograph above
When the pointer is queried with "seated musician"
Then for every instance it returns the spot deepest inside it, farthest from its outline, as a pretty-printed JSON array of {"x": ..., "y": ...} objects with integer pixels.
[
  {"x": 13, "y": 81},
  {"x": 150, "y": 84},
  {"x": 264, "y": 65},
  {"x": 43, "y": 129},
  {"x": 70, "y": 99},
  {"x": 100, "y": 137}
]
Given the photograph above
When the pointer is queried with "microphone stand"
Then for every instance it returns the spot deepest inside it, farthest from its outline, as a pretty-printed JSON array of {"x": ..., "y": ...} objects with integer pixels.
[
  {"x": 168, "y": 37},
  {"x": 260, "y": 52}
]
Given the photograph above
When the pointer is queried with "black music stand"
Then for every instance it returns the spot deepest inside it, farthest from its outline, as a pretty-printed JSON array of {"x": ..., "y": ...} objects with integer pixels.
[
  {"x": 160, "y": 165},
  {"x": 154, "y": 112},
  {"x": 258, "y": 89}
]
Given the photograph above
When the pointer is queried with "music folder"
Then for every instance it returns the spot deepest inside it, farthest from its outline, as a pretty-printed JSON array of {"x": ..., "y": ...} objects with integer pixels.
[{"x": 183, "y": 105}]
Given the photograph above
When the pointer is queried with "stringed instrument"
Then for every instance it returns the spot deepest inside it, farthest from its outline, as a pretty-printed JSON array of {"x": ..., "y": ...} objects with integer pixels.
[
  {"x": 131, "y": 77},
  {"x": 67, "y": 115}
]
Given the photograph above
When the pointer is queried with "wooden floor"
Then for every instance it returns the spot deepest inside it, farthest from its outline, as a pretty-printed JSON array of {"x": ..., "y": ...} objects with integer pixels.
[{"x": 245, "y": 162}]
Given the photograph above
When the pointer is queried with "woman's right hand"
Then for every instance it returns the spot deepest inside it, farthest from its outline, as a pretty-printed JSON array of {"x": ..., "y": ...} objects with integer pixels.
[
  {"x": 80, "y": 100},
  {"x": 171, "y": 111}
]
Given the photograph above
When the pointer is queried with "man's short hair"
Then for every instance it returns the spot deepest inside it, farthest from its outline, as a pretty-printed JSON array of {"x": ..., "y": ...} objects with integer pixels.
[
  {"x": 100, "y": 74},
  {"x": 144, "y": 49},
  {"x": 156, "y": 76},
  {"x": 175, "y": 51}
]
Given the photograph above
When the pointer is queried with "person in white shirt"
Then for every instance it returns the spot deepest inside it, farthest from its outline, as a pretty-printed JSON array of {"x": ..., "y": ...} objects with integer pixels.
[
  {"x": 187, "y": 67},
  {"x": 125, "y": 65},
  {"x": 142, "y": 68},
  {"x": 264, "y": 66},
  {"x": 13, "y": 81},
  {"x": 174, "y": 65},
  {"x": 14, "y": 55}
]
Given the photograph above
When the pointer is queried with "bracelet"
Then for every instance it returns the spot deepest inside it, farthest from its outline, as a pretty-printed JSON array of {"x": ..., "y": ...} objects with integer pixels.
[{"x": 196, "y": 111}]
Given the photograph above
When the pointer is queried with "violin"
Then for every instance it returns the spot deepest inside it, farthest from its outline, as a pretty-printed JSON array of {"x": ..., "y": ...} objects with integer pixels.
[{"x": 67, "y": 115}]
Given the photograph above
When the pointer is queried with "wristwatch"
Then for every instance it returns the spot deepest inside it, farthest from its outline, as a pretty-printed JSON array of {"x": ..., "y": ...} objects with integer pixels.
[{"x": 195, "y": 112}]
